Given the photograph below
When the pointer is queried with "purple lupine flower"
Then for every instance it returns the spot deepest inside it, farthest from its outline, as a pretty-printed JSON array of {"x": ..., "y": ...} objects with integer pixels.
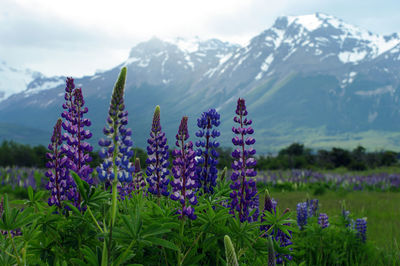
[
  {"x": 312, "y": 207},
  {"x": 60, "y": 183},
  {"x": 116, "y": 149},
  {"x": 138, "y": 182},
  {"x": 243, "y": 195},
  {"x": 302, "y": 214},
  {"x": 157, "y": 171},
  {"x": 208, "y": 158},
  {"x": 76, "y": 148},
  {"x": 361, "y": 228},
  {"x": 323, "y": 220},
  {"x": 185, "y": 183}
]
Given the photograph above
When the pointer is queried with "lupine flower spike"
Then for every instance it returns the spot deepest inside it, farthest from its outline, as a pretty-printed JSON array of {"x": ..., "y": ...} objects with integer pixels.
[
  {"x": 184, "y": 171},
  {"x": 244, "y": 196},
  {"x": 361, "y": 228},
  {"x": 59, "y": 179},
  {"x": 138, "y": 182},
  {"x": 230, "y": 254},
  {"x": 207, "y": 163},
  {"x": 157, "y": 171},
  {"x": 323, "y": 220},
  {"x": 77, "y": 150},
  {"x": 302, "y": 214},
  {"x": 116, "y": 151}
]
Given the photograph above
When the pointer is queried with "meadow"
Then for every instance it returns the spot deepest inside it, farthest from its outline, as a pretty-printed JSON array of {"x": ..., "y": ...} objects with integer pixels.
[{"x": 188, "y": 212}]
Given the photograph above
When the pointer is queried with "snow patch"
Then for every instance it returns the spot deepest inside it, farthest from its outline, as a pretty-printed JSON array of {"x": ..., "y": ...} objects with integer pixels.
[
  {"x": 95, "y": 77},
  {"x": 352, "y": 56},
  {"x": 45, "y": 86},
  {"x": 131, "y": 60},
  {"x": 225, "y": 58},
  {"x": 264, "y": 67},
  {"x": 310, "y": 22}
]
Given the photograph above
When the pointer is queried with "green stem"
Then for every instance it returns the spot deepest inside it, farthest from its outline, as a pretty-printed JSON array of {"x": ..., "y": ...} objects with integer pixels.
[
  {"x": 94, "y": 219},
  {"x": 15, "y": 249},
  {"x": 9, "y": 254},
  {"x": 114, "y": 202},
  {"x": 194, "y": 243},
  {"x": 104, "y": 257},
  {"x": 24, "y": 254}
]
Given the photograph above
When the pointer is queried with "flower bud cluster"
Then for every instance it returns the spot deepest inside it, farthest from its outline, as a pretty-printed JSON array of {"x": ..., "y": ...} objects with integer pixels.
[
  {"x": 185, "y": 181},
  {"x": 243, "y": 195},
  {"x": 157, "y": 161},
  {"x": 207, "y": 159}
]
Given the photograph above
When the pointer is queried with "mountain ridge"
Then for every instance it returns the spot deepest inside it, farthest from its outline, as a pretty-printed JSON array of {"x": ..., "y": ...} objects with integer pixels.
[{"x": 311, "y": 73}]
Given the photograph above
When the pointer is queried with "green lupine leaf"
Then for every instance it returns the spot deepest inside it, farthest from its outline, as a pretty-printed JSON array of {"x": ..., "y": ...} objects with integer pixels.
[{"x": 163, "y": 243}]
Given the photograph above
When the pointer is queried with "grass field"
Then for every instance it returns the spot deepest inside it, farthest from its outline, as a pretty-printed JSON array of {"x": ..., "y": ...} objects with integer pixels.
[{"x": 382, "y": 210}]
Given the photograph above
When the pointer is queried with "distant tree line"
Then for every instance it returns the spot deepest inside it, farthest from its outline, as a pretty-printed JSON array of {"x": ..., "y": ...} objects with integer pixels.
[
  {"x": 297, "y": 156},
  {"x": 294, "y": 156}
]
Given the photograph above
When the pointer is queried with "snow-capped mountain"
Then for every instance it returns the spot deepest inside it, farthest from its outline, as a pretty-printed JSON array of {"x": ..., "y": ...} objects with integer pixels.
[
  {"x": 14, "y": 80},
  {"x": 313, "y": 78},
  {"x": 316, "y": 43}
]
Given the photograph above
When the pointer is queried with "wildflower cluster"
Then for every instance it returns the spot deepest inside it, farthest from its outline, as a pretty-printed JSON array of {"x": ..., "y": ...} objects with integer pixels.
[
  {"x": 244, "y": 197},
  {"x": 208, "y": 156}
]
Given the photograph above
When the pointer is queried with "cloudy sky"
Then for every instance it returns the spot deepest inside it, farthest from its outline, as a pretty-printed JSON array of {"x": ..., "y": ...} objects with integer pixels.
[{"x": 78, "y": 37}]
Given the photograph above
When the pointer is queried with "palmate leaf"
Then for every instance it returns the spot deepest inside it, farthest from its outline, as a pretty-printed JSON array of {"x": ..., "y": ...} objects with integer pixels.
[
  {"x": 162, "y": 242},
  {"x": 90, "y": 257},
  {"x": 13, "y": 219}
]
